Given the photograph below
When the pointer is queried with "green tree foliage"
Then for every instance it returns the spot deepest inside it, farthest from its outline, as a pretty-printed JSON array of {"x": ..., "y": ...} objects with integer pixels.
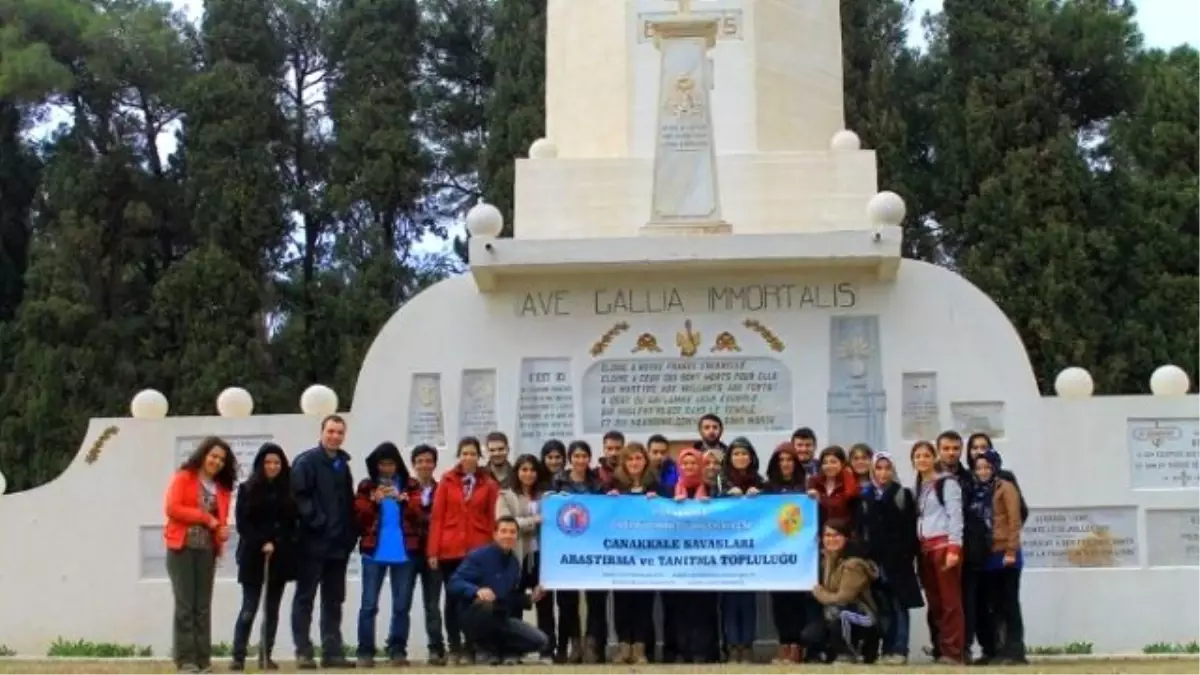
[
  {"x": 516, "y": 112},
  {"x": 1148, "y": 189}
]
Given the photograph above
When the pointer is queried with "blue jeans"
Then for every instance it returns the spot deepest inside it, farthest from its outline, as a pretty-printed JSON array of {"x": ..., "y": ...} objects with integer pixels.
[
  {"x": 373, "y": 574},
  {"x": 739, "y": 614},
  {"x": 896, "y": 639}
]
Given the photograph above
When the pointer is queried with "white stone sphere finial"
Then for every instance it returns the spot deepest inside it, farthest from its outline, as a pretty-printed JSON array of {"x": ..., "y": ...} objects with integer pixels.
[
  {"x": 484, "y": 220},
  {"x": 3, "y": 483},
  {"x": 1074, "y": 382},
  {"x": 1170, "y": 380},
  {"x": 149, "y": 404},
  {"x": 318, "y": 400},
  {"x": 235, "y": 402},
  {"x": 845, "y": 141},
  {"x": 543, "y": 148},
  {"x": 886, "y": 208}
]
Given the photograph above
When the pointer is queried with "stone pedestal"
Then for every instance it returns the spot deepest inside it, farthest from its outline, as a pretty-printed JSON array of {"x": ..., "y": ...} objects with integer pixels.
[{"x": 685, "y": 198}]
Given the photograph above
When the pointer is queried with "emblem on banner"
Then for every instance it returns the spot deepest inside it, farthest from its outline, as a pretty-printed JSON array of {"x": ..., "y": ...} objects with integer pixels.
[
  {"x": 791, "y": 519},
  {"x": 572, "y": 519}
]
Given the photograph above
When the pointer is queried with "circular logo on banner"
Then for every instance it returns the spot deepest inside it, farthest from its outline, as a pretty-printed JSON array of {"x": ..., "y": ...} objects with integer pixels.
[
  {"x": 572, "y": 519},
  {"x": 790, "y": 519}
]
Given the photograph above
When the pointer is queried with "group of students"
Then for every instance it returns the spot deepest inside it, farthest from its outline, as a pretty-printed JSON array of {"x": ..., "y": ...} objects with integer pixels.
[{"x": 955, "y": 534}]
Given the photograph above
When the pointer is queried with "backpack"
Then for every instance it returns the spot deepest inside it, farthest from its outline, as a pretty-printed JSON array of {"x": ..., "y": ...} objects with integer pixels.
[{"x": 940, "y": 489}]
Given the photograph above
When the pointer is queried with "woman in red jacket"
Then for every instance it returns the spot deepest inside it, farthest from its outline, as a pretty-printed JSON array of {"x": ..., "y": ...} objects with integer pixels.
[
  {"x": 835, "y": 488},
  {"x": 197, "y": 506},
  {"x": 464, "y": 510}
]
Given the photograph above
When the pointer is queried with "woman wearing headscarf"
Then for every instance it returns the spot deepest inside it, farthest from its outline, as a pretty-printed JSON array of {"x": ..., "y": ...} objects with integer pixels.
[
  {"x": 266, "y": 524},
  {"x": 888, "y": 530},
  {"x": 696, "y": 611},
  {"x": 993, "y": 519},
  {"x": 785, "y": 475}
]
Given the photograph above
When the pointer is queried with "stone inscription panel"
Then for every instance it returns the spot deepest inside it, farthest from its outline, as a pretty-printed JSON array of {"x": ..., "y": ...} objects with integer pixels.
[
  {"x": 546, "y": 407},
  {"x": 783, "y": 296},
  {"x": 1173, "y": 537},
  {"x": 667, "y": 395},
  {"x": 919, "y": 415},
  {"x": 1081, "y": 537},
  {"x": 729, "y": 23},
  {"x": 477, "y": 403},
  {"x": 856, "y": 402},
  {"x": 426, "y": 422},
  {"x": 1164, "y": 453},
  {"x": 979, "y": 416},
  {"x": 244, "y": 449},
  {"x": 153, "y": 554}
]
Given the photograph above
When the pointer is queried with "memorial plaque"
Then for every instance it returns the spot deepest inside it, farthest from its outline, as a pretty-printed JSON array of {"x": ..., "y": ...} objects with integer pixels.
[
  {"x": 1164, "y": 454},
  {"x": 1173, "y": 537},
  {"x": 856, "y": 402},
  {"x": 477, "y": 403},
  {"x": 244, "y": 449},
  {"x": 668, "y": 395},
  {"x": 1081, "y": 537},
  {"x": 546, "y": 408},
  {"x": 426, "y": 423},
  {"x": 153, "y": 554},
  {"x": 919, "y": 414},
  {"x": 971, "y": 417}
]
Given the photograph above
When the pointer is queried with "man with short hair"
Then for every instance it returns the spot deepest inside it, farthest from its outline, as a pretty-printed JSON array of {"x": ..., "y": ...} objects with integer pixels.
[
  {"x": 497, "y": 457},
  {"x": 422, "y": 488},
  {"x": 804, "y": 442},
  {"x": 711, "y": 428},
  {"x": 324, "y": 494},
  {"x": 488, "y": 583},
  {"x": 613, "y": 442}
]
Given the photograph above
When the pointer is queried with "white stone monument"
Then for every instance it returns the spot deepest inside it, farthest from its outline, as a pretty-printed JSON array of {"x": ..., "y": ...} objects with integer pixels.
[
  {"x": 686, "y": 197},
  {"x": 804, "y": 314}
]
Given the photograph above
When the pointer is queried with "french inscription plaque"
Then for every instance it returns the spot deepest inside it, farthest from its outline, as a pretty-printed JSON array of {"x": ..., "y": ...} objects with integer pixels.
[
  {"x": 477, "y": 403},
  {"x": 1173, "y": 537},
  {"x": 919, "y": 415},
  {"x": 668, "y": 395},
  {"x": 1164, "y": 453},
  {"x": 1081, "y": 537},
  {"x": 972, "y": 417},
  {"x": 856, "y": 403},
  {"x": 426, "y": 423},
  {"x": 244, "y": 450},
  {"x": 546, "y": 408}
]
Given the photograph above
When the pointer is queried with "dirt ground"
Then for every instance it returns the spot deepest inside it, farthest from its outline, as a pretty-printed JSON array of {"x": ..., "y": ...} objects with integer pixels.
[{"x": 1090, "y": 666}]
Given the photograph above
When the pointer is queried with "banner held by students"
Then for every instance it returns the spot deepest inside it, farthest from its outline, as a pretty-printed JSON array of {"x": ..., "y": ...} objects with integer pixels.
[{"x": 598, "y": 542}]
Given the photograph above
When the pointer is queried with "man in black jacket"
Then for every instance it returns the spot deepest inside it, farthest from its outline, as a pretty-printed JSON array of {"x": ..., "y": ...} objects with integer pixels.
[
  {"x": 488, "y": 584},
  {"x": 324, "y": 493}
]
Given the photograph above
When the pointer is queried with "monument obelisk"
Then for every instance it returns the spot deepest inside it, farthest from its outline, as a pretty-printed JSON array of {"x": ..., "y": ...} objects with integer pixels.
[{"x": 686, "y": 198}]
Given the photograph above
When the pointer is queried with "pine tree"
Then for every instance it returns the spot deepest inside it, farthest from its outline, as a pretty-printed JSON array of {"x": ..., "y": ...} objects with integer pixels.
[{"x": 516, "y": 112}]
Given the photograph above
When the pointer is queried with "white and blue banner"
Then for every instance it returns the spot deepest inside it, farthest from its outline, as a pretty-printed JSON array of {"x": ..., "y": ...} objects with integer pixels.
[{"x": 600, "y": 542}]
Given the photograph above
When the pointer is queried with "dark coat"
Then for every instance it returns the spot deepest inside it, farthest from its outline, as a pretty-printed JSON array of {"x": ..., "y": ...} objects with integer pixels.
[
  {"x": 887, "y": 527},
  {"x": 266, "y": 513},
  {"x": 491, "y": 567},
  {"x": 324, "y": 493}
]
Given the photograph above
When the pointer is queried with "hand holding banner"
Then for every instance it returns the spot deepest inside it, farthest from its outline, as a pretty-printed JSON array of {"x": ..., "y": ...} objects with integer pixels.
[{"x": 596, "y": 542}]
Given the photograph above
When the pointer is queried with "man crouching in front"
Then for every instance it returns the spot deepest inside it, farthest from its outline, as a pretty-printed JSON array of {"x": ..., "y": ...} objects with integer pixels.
[{"x": 488, "y": 587}]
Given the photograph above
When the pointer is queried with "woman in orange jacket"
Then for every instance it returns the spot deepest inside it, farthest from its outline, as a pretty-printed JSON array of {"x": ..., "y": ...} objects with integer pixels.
[{"x": 197, "y": 506}]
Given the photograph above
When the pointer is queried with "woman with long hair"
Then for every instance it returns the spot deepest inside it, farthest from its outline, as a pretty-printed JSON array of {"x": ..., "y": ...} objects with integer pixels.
[
  {"x": 521, "y": 500},
  {"x": 633, "y": 611},
  {"x": 464, "y": 511},
  {"x": 739, "y": 609},
  {"x": 266, "y": 524},
  {"x": 848, "y": 629},
  {"x": 785, "y": 475},
  {"x": 578, "y": 478},
  {"x": 940, "y": 533},
  {"x": 197, "y": 510},
  {"x": 834, "y": 486}
]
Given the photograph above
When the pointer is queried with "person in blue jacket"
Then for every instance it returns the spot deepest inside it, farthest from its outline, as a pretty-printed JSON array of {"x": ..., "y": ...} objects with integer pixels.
[{"x": 488, "y": 584}]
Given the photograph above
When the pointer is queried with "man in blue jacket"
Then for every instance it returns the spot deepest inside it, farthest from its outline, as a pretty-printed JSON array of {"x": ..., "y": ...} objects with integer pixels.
[
  {"x": 488, "y": 585},
  {"x": 324, "y": 494}
]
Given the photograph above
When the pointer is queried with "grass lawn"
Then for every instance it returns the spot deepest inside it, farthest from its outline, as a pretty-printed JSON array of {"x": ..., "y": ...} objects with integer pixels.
[{"x": 1091, "y": 666}]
